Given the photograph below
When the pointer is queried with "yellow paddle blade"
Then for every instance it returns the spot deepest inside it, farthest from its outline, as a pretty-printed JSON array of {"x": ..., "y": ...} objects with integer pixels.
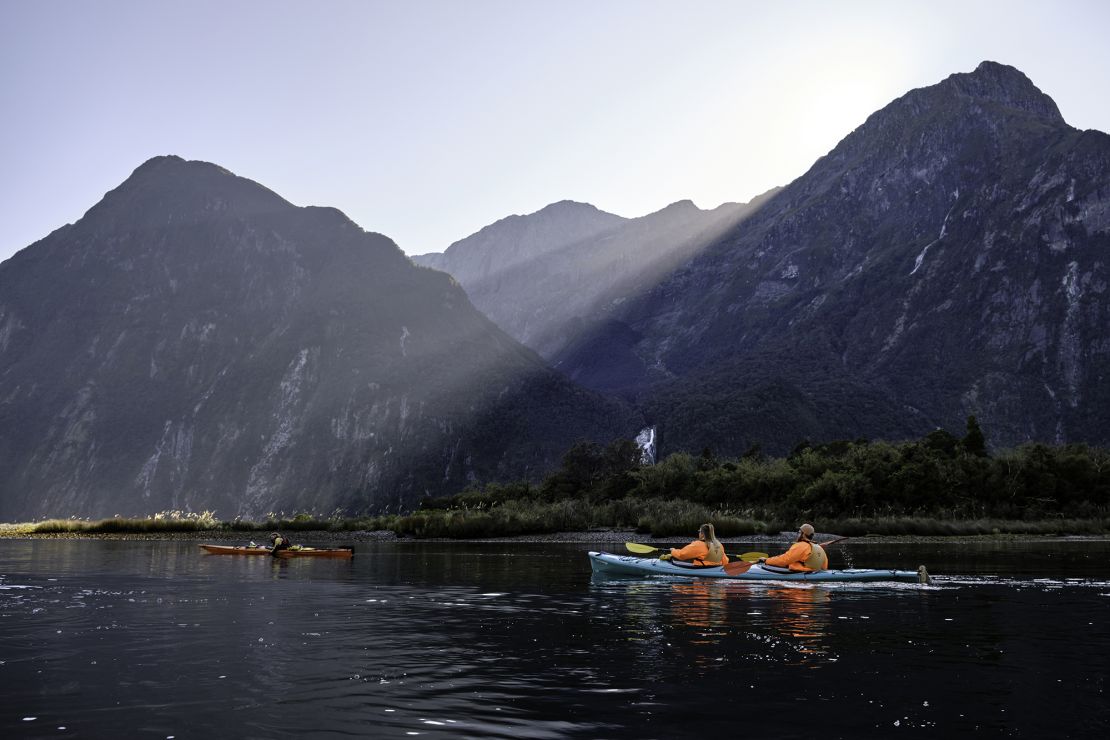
[
  {"x": 751, "y": 557},
  {"x": 641, "y": 549}
]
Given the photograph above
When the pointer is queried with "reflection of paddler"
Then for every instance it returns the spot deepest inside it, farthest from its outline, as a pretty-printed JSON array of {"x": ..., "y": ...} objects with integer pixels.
[
  {"x": 804, "y": 555},
  {"x": 802, "y": 615},
  {"x": 699, "y": 604}
]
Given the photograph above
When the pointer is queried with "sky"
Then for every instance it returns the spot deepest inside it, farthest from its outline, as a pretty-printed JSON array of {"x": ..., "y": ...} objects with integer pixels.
[{"x": 426, "y": 120}]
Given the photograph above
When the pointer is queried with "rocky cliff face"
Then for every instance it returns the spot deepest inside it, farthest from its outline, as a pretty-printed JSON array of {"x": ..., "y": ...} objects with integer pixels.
[
  {"x": 196, "y": 342},
  {"x": 948, "y": 257},
  {"x": 544, "y": 276}
]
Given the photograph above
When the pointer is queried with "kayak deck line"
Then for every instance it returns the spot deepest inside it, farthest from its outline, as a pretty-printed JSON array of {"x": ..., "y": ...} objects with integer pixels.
[
  {"x": 300, "y": 552},
  {"x": 629, "y": 565}
]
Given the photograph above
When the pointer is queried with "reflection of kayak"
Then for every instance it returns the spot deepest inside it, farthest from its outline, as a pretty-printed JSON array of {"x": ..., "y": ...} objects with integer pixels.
[
  {"x": 292, "y": 552},
  {"x": 630, "y": 565}
]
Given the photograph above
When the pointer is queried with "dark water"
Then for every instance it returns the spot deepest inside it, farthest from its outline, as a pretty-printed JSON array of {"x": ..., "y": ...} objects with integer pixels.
[{"x": 106, "y": 639}]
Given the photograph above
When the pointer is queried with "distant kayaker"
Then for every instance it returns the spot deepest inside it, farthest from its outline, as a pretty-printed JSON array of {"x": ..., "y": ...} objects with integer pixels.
[
  {"x": 705, "y": 550},
  {"x": 804, "y": 555},
  {"x": 279, "y": 542}
]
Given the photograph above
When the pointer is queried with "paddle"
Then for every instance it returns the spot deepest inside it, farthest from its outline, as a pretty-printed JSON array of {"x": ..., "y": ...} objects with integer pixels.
[
  {"x": 735, "y": 569},
  {"x": 639, "y": 549}
]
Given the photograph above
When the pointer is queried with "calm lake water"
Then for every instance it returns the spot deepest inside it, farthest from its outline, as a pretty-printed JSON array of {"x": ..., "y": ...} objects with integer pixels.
[{"x": 121, "y": 639}]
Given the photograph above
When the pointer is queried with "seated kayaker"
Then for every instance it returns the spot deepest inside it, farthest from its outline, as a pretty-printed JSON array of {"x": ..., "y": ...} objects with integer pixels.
[
  {"x": 279, "y": 542},
  {"x": 804, "y": 555},
  {"x": 705, "y": 550}
]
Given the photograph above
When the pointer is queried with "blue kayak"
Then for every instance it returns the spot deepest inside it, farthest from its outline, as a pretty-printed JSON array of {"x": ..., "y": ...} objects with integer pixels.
[{"x": 629, "y": 565}]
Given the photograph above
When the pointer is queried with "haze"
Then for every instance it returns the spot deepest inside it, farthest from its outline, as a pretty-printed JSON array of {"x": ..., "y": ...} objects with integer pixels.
[{"x": 428, "y": 120}]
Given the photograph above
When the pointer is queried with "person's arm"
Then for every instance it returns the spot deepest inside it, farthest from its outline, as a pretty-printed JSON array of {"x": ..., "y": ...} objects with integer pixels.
[
  {"x": 695, "y": 550},
  {"x": 798, "y": 552}
]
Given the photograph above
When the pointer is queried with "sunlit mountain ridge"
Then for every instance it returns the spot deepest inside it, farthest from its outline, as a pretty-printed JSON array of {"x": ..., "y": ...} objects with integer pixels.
[{"x": 947, "y": 258}]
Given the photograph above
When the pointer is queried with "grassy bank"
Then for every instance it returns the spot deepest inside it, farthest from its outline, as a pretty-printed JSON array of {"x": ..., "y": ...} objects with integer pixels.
[
  {"x": 660, "y": 518},
  {"x": 197, "y": 523}
]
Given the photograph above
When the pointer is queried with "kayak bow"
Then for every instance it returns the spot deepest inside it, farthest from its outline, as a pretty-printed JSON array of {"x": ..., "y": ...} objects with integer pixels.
[{"x": 627, "y": 565}]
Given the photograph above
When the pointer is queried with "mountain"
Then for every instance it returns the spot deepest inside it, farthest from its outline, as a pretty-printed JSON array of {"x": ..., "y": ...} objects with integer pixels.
[
  {"x": 543, "y": 276},
  {"x": 197, "y": 342},
  {"x": 518, "y": 240},
  {"x": 947, "y": 258}
]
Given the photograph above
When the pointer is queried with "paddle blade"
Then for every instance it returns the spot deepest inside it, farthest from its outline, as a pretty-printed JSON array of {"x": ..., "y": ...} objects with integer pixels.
[
  {"x": 735, "y": 569},
  {"x": 640, "y": 549},
  {"x": 751, "y": 557}
]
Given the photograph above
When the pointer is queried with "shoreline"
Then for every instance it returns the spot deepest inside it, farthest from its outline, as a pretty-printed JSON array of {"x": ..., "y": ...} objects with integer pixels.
[{"x": 601, "y": 536}]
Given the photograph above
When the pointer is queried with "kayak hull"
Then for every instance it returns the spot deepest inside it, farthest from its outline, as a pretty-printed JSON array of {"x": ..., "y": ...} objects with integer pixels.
[
  {"x": 605, "y": 563},
  {"x": 304, "y": 552}
]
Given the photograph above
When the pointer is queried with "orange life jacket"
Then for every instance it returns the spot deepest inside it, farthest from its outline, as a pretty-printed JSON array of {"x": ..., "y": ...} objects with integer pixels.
[
  {"x": 697, "y": 552},
  {"x": 802, "y": 556}
]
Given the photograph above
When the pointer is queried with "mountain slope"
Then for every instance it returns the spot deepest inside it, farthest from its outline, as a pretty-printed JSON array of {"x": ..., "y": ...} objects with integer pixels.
[
  {"x": 544, "y": 276},
  {"x": 948, "y": 257},
  {"x": 195, "y": 341}
]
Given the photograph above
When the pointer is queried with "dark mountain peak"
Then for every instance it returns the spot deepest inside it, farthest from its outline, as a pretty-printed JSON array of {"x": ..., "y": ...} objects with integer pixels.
[
  {"x": 170, "y": 168},
  {"x": 1004, "y": 85},
  {"x": 993, "y": 91},
  {"x": 967, "y": 115},
  {"x": 168, "y": 187},
  {"x": 161, "y": 161}
]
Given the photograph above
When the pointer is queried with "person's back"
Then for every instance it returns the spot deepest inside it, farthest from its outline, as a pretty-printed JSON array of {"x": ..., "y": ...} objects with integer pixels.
[
  {"x": 706, "y": 550},
  {"x": 804, "y": 556}
]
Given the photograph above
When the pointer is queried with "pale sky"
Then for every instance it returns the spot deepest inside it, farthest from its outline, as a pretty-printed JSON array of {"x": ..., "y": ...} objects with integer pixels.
[{"x": 426, "y": 120}]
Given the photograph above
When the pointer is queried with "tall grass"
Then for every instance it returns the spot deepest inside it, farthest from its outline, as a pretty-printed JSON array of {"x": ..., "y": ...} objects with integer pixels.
[
  {"x": 657, "y": 517},
  {"x": 119, "y": 525}
]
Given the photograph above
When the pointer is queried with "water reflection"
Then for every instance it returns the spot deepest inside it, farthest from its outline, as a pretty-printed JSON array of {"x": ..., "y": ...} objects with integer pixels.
[
  {"x": 716, "y": 620},
  {"x": 702, "y": 604},
  {"x": 128, "y": 639},
  {"x": 801, "y": 615}
]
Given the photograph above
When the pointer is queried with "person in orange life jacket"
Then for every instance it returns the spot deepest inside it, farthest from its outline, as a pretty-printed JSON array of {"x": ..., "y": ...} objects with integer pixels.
[
  {"x": 278, "y": 542},
  {"x": 804, "y": 555},
  {"x": 705, "y": 550}
]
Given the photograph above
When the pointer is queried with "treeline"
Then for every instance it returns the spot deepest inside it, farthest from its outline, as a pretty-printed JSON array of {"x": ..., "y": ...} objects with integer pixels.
[
  {"x": 940, "y": 477},
  {"x": 941, "y": 484}
]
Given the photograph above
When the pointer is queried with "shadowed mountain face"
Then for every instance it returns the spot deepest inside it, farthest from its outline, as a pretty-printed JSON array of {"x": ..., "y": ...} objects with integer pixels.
[
  {"x": 949, "y": 257},
  {"x": 544, "y": 276},
  {"x": 196, "y": 342}
]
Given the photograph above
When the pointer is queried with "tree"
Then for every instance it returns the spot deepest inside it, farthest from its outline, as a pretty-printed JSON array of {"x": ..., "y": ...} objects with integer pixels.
[
  {"x": 941, "y": 441},
  {"x": 974, "y": 441}
]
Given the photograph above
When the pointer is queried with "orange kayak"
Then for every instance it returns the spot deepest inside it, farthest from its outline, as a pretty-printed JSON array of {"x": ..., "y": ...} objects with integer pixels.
[{"x": 298, "y": 552}]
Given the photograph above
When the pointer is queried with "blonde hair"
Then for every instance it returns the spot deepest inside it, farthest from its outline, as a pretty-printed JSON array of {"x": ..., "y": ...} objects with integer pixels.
[{"x": 716, "y": 549}]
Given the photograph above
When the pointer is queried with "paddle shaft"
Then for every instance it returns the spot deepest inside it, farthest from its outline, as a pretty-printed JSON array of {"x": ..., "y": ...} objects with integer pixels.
[{"x": 646, "y": 549}]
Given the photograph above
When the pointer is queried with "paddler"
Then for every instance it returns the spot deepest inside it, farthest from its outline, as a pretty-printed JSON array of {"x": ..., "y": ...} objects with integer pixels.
[
  {"x": 279, "y": 542},
  {"x": 804, "y": 555},
  {"x": 705, "y": 550}
]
